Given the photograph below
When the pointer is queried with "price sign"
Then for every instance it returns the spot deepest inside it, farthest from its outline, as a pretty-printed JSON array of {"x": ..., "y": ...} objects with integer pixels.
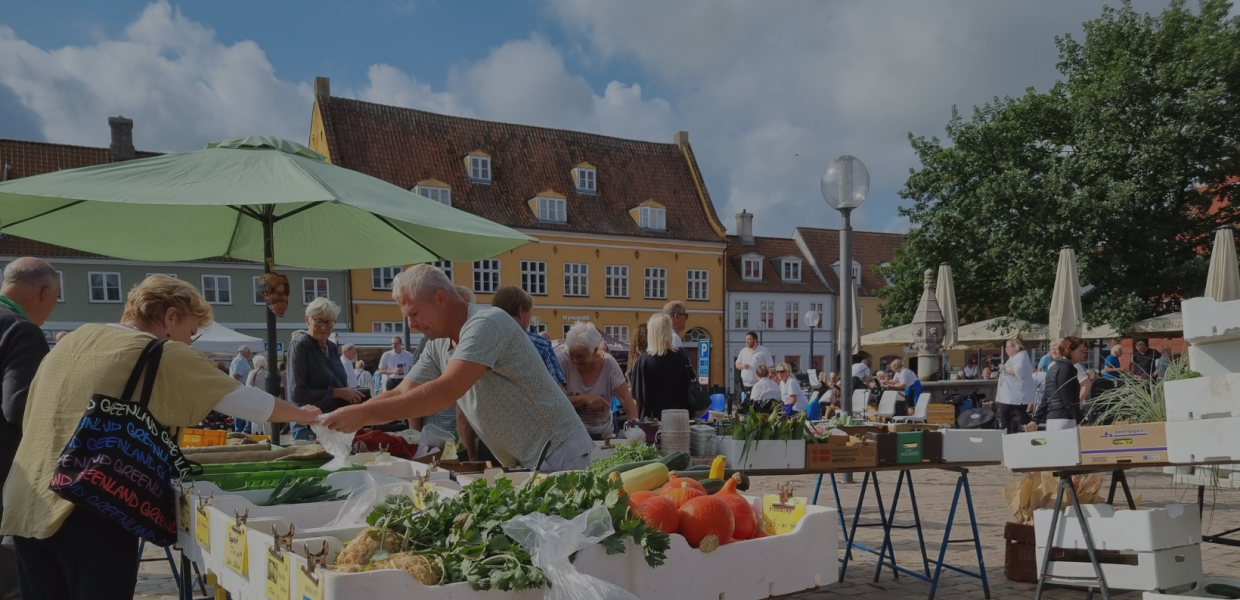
[
  {"x": 236, "y": 553},
  {"x": 277, "y": 577},
  {"x": 781, "y": 516},
  {"x": 421, "y": 492},
  {"x": 202, "y": 529},
  {"x": 309, "y": 587},
  {"x": 183, "y": 512}
]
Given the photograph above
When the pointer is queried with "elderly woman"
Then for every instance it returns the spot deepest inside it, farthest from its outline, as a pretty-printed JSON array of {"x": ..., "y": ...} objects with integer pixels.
[
  {"x": 905, "y": 380},
  {"x": 790, "y": 389},
  {"x": 764, "y": 389},
  {"x": 592, "y": 378},
  {"x": 1016, "y": 387},
  {"x": 318, "y": 377},
  {"x": 66, "y": 550},
  {"x": 661, "y": 373},
  {"x": 365, "y": 380}
]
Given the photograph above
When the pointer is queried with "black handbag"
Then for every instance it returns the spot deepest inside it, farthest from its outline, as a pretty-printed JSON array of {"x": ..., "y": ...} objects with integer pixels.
[
  {"x": 699, "y": 400},
  {"x": 121, "y": 462}
]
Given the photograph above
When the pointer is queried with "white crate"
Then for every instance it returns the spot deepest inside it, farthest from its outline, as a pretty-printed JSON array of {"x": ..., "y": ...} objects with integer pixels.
[
  {"x": 1138, "y": 530},
  {"x": 1197, "y": 592},
  {"x": 1209, "y": 397},
  {"x": 1207, "y": 322},
  {"x": 972, "y": 445},
  {"x": 1206, "y": 440},
  {"x": 1042, "y": 449},
  {"x": 1157, "y": 570},
  {"x": 769, "y": 454},
  {"x": 394, "y": 466}
]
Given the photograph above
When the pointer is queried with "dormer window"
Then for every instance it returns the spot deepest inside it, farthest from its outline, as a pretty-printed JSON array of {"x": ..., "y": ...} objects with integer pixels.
[
  {"x": 650, "y": 215},
  {"x": 550, "y": 206},
  {"x": 751, "y": 268},
  {"x": 586, "y": 177},
  {"x": 435, "y": 190},
  {"x": 478, "y": 167},
  {"x": 791, "y": 269},
  {"x": 856, "y": 271},
  {"x": 883, "y": 268}
]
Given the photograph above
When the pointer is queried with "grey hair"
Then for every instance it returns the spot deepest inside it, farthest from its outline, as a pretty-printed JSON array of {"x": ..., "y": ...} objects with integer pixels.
[
  {"x": 421, "y": 282},
  {"x": 33, "y": 273},
  {"x": 320, "y": 308},
  {"x": 347, "y": 347},
  {"x": 583, "y": 335},
  {"x": 260, "y": 362}
]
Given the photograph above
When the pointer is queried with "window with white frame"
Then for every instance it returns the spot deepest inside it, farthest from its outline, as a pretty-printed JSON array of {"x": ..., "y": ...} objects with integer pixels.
[
  {"x": 567, "y": 328},
  {"x": 551, "y": 209},
  {"x": 445, "y": 266},
  {"x": 740, "y": 315},
  {"x": 61, "y": 296},
  {"x": 620, "y": 332},
  {"x": 539, "y": 328},
  {"x": 387, "y": 327},
  {"x": 534, "y": 277},
  {"x": 586, "y": 180},
  {"x": 792, "y": 315},
  {"x": 653, "y": 217},
  {"x": 656, "y": 283},
  {"x": 486, "y": 276},
  {"x": 698, "y": 285},
  {"x": 751, "y": 269},
  {"x": 576, "y": 279},
  {"x": 480, "y": 169},
  {"x": 104, "y": 287},
  {"x": 766, "y": 314},
  {"x": 856, "y": 271},
  {"x": 217, "y": 289},
  {"x": 441, "y": 195},
  {"x": 172, "y": 275},
  {"x": 792, "y": 270},
  {"x": 817, "y": 307},
  {"x": 382, "y": 278},
  {"x": 313, "y": 287},
  {"x": 258, "y": 291},
  {"x": 617, "y": 281}
]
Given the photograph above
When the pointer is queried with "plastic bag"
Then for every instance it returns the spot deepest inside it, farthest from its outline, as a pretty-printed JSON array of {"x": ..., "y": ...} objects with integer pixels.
[
  {"x": 336, "y": 443},
  {"x": 551, "y": 540},
  {"x": 432, "y": 439},
  {"x": 634, "y": 434},
  {"x": 363, "y": 500}
]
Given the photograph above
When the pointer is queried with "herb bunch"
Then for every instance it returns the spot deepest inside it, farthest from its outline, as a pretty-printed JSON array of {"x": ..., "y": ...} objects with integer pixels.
[{"x": 625, "y": 453}]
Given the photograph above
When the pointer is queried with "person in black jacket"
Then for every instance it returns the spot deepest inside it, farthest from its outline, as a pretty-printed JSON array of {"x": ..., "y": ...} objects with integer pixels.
[
  {"x": 661, "y": 374},
  {"x": 1065, "y": 388},
  {"x": 27, "y": 298},
  {"x": 317, "y": 376}
]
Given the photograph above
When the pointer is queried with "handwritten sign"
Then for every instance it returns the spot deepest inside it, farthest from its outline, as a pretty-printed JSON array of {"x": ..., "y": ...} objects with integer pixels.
[
  {"x": 236, "y": 553},
  {"x": 309, "y": 587},
  {"x": 202, "y": 529},
  {"x": 183, "y": 512},
  {"x": 781, "y": 517},
  {"x": 277, "y": 577}
]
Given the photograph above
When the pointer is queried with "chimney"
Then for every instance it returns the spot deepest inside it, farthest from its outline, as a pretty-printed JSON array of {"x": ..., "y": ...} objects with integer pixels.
[
  {"x": 681, "y": 138},
  {"x": 322, "y": 87},
  {"x": 744, "y": 227},
  {"x": 122, "y": 138}
]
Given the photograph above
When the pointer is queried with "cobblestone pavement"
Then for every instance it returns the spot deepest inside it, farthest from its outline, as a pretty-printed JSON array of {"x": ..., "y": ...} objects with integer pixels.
[{"x": 934, "y": 493}]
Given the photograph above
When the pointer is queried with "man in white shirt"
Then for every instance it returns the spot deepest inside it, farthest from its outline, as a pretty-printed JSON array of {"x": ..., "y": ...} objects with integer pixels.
[
  {"x": 240, "y": 367},
  {"x": 395, "y": 363},
  {"x": 348, "y": 356},
  {"x": 860, "y": 370},
  {"x": 675, "y": 310},
  {"x": 749, "y": 358}
]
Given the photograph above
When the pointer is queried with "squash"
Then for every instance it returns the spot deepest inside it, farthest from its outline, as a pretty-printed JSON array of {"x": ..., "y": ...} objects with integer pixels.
[
  {"x": 645, "y": 478},
  {"x": 706, "y": 522},
  {"x": 629, "y": 466},
  {"x": 677, "y": 461},
  {"x": 679, "y": 496},
  {"x": 637, "y": 498},
  {"x": 717, "y": 467},
  {"x": 702, "y": 474},
  {"x": 712, "y": 486},
  {"x": 745, "y": 522},
  {"x": 674, "y": 479},
  {"x": 729, "y": 486},
  {"x": 660, "y": 514}
]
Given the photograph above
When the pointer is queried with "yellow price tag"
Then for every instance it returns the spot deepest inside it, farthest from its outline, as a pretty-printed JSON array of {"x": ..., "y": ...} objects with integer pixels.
[
  {"x": 183, "y": 513},
  {"x": 236, "y": 553},
  {"x": 277, "y": 577},
  {"x": 309, "y": 587},
  {"x": 202, "y": 529},
  {"x": 421, "y": 492},
  {"x": 781, "y": 517}
]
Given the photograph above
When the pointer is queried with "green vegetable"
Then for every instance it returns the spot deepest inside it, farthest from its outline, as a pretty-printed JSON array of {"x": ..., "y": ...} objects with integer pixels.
[
  {"x": 712, "y": 485},
  {"x": 302, "y": 491},
  {"x": 677, "y": 461},
  {"x": 636, "y": 452},
  {"x": 1223, "y": 590},
  {"x": 702, "y": 475},
  {"x": 629, "y": 466}
]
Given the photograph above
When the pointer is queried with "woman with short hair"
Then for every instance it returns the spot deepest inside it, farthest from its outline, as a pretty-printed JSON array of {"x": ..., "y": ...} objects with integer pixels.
[
  {"x": 789, "y": 389},
  {"x": 364, "y": 379},
  {"x": 318, "y": 377},
  {"x": 592, "y": 378},
  {"x": 1016, "y": 387},
  {"x": 764, "y": 389},
  {"x": 661, "y": 373}
]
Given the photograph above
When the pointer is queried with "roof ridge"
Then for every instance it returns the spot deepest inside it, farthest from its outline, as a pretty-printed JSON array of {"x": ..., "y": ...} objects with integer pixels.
[
  {"x": 854, "y": 231},
  {"x": 70, "y": 146}
]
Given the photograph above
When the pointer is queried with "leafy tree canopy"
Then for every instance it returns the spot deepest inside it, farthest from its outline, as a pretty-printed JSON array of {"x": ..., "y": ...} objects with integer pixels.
[{"x": 1127, "y": 159}]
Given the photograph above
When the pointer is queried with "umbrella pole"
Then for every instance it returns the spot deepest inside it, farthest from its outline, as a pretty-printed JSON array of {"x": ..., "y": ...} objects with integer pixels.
[{"x": 269, "y": 266}]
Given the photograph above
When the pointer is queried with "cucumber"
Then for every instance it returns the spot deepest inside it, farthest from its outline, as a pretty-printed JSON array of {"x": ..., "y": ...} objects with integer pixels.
[
  {"x": 712, "y": 485},
  {"x": 1223, "y": 590},
  {"x": 677, "y": 461},
  {"x": 621, "y": 468},
  {"x": 703, "y": 475}
]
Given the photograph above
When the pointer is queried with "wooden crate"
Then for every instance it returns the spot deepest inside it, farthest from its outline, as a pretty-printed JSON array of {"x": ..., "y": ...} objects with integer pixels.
[{"x": 941, "y": 414}]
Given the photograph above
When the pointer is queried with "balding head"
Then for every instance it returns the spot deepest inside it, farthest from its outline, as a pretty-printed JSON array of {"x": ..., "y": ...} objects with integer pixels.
[{"x": 34, "y": 285}]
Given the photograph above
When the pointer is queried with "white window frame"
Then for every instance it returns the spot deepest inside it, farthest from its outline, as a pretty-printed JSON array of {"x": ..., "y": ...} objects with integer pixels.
[
  {"x": 442, "y": 195},
  {"x": 697, "y": 286},
  {"x": 486, "y": 276},
  {"x": 787, "y": 265},
  {"x": 655, "y": 283},
  {"x": 551, "y": 210},
  {"x": 766, "y": 314},
  {"x": 479, "y": 169},
  {"x": 822, "y": 316},
  {"x": 216, "y": 289},
  {"x": 792, "y": 315},
  {"x": 381, "y": 278},
  {"x": 587, "y": 180},
  {"x": 620, "y": 332},
  {"x": 326, "y": 292},
  {"x": 539, "y": 328},
  {"x": 172, "y": 275},
  {"x": 61, "y": 297},
  {"x": 617, "y": 281},
  {"x": 90, "y": 288},
  {"x": 534, "y": 277},
  {"x": 258, "y": 294},
  {"x": 576, "y": 280},
  {"x": 653, "y": 217},
  {"x": 740, "y": 314},
  {"x": 387, "y": 326},
  {"x": 856, "y": 271},
  {"x": 445, "y": 266},
  {"x": 756, "y": 263}
]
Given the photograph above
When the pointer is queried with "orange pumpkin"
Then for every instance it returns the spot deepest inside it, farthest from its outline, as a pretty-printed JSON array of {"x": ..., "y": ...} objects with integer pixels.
[
  {"x": 636, "y": 498},
  {"x": 729, "y": 486},
  {"x": 742, "y": 515},
  {"x": 674, "y": 480},
  {"x": 659, "y": 513},
  {"x": 680, "y": 495},
  {"x": 706, "y": 522}
]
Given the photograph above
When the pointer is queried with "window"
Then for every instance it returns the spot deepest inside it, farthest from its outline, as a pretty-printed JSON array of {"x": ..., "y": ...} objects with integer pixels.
[
  {"x": 479, "y": 168},
  {"x": 792, "y": 270},
  {"x": 539, "y": 328},
  {"x": 586, "y": 180},
  {"x": 217, "y": 289},
  {"x": 792, "y": 315},
  {"x": 566, "y": 328},
  {"x": 551, "y": 209},
  {"x": 172, "y": 275},
  {"x": 61, "y": 297},
  {"x": 486, "y": 276},
  {"x": 856, "y": 271},
  {"x": 617, "y": 283},
  {"x": 751, "y": 269},
  {"x": 653, "y": 218},
  {"x": 740, "y": 315},
  {"x": 105, "y": 287},
  {"x": 441, "y": 195},
  {"x": 387, "y": 327},
  {"x": 382, "y": 278},
  {"x": 446, "y": 267},
  {"x": 313, "y": 287},
  {"x": 699, "y": 285},
  {"x": 817, "y": 307},
  {"x": 793, "y": 361},
  {"x": 656, "y": 283},
  {"x": 258, "y": 292},
  {"x": 534, "y": 277},
  {"x": 885, "y": 269},
  {"x": 576, "y": 279},
  {"x": 620, "y": 332},
  {"x": 767, "y": 315}
]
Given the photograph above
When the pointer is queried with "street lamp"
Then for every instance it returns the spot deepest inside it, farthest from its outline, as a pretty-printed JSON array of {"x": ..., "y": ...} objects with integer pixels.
[
  {"x": 761, "y": 328},
  {"x": 535, "y": 322},
  {"x": 812, "y": 318}
]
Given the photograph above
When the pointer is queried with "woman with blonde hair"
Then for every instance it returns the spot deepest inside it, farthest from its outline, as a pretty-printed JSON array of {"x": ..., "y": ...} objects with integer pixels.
[
  {"x": 67, "y": 550},
  {"x": 317, "y": 376},
  {"x": 661, "y": 373}
]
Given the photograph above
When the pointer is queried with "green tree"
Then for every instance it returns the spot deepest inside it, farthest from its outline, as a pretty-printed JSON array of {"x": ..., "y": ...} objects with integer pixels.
[{"x": 1128, "y": 159}]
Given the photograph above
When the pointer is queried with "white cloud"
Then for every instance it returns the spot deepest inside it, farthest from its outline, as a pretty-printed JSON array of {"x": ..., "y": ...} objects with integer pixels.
[{"x": 389, "y": 85}]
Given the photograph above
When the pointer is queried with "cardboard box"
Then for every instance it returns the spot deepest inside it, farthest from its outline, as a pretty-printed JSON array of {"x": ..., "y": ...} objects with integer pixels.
[
  {"x": 972, "y": 445},
  {"x": 1203, "y": 440},
  {"x": 864, "y": 429},
  {"x": 835, "y": 453},
  {"x": 1042, "y": 449},
  {"x": 1124, "y": 443},
  {"x": 904, "y": 447},
  {"x": 941, "y": 414}
]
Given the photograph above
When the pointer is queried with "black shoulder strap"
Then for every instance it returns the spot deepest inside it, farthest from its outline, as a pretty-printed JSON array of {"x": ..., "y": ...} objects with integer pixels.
[
  {"x": 152, "y": 369},
  {"x": 132, "y": 384}
]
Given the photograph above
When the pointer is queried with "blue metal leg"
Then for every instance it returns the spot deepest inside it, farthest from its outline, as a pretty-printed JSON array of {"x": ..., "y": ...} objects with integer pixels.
[
  {"x": 921, "y": 538},
  {"x": 852, "y": 533},
  {"x": 947, "y": 532},
  {"x": 886, "y": 524},
  {"x": 887, "y": 545},
  {"x": 977, "y": 538},
  {"x": 817, "y": 486}
]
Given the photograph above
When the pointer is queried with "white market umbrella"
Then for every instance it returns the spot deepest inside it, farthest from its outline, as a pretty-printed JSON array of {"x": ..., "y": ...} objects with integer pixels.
[
  {"x": 1066, "y": 315},
  {"x": 945, "y": 294},
  {"x": 1223, "y": 281},
  {"x": 991, "y": 331},
  {"x": 218, "y": 338},
  {"x": 896, "y": 336}
]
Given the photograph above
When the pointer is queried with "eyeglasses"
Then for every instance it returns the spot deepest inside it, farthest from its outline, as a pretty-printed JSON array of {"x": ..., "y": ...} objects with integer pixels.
[{"x": 329, "y": 323}]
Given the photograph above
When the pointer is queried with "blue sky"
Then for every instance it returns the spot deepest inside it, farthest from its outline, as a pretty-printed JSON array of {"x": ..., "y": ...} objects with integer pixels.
[{"x": 770, "y": 92}]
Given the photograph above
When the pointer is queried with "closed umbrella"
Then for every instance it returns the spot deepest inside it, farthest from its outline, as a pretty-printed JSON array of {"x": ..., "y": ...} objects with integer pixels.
[
  {"x": 1066, "y": 314},
  {"x": 945, "y": 294},
  {"x": 1223, "y": 281}
]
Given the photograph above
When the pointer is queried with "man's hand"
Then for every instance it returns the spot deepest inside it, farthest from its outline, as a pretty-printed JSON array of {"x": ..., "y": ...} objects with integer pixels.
[
  {"x": 347, "y": 419},
  {"x": 349, "y": 395},
  {"x": 308, "y": 414}
]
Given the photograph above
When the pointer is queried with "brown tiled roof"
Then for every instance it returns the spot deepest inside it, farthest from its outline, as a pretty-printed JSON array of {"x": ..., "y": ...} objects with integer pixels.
[
  {"x": 403, "y": 146},
  {"x": 868, "y": 247},
  {"x": 770, "y": 248}
]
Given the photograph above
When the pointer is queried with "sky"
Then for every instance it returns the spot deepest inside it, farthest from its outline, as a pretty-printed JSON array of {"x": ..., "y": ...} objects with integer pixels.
[{"x": 770, "y": 92}]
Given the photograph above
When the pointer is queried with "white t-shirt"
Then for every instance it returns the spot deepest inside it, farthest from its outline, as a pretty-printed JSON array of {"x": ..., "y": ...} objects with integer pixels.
[
  {"x": 349, "y": 371},
  {"x": 390, "y": 360},
  {"x": 676, "y": 341},
  {"x": 860, "y": 370},
  {"x": 758, "y": 356},
  {"x": 906, "y": 377},
  {"x": 765, "y": 389},
  {"x": 790, "y": 391}
]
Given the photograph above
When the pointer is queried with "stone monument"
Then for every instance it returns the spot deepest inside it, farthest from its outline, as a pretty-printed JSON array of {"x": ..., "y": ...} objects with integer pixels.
[{"x": 928, "y": 332}]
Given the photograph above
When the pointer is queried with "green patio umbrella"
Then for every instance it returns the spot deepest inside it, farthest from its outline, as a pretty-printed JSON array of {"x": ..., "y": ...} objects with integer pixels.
[{"x": 252, "y": 198}]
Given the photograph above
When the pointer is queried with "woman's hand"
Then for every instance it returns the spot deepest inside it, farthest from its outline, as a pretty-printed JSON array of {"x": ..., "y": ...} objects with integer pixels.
[
  {"x": 347, "y": 419},
  {"x": 308, "y": 415},
  {"x": 349, "y": 395}
]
